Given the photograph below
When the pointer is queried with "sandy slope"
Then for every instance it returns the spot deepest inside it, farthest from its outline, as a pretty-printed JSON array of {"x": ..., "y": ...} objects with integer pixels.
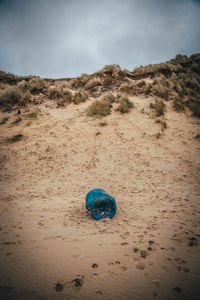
[{"x": 46, "y": 235}]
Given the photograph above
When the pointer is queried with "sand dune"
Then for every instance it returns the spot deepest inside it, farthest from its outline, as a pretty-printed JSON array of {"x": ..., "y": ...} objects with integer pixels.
[{"x": 52, "y": 248}]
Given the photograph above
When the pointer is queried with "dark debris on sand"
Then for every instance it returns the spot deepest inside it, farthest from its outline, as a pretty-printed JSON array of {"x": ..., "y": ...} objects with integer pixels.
[{"x": 59, "y": 287}]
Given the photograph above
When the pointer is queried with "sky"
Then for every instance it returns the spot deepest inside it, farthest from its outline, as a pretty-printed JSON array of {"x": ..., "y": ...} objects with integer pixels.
[{"x": 65, "y": 38}]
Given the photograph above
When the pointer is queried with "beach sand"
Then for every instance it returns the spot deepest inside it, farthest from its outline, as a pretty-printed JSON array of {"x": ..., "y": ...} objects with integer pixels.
[{"x": 52, "y": 248}]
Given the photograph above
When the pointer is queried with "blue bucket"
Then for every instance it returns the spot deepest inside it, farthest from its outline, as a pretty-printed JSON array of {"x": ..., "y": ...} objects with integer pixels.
[{"x": 100, "y": 204}]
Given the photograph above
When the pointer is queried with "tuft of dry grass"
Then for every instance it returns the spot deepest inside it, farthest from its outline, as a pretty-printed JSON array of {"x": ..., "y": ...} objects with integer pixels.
[
  {"x": 93, "y": 83},
  {"x": 178, "y": 104},
  {"x": 36, "y": 85},
  {"x": 109, "y": 97},
  {"x": 124, "y": 105},
  {"x": 80, "y": 96},
  {"x": 55, "y": 93},
  {"x": 159, "y": 108},
  {"x": 161, "y": 90},
  {"x": 99, "y": 108}
]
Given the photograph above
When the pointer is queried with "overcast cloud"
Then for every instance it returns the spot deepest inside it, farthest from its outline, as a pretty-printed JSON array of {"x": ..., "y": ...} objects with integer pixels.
[{"x": 65, "y": 38}]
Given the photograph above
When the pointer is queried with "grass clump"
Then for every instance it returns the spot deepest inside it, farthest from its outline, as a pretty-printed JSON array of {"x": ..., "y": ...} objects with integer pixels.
[
  {"x": 94, "y": 82},
  {"x": 159, "y": 108},
  {"x": 4, "y": 120},
  {"x": 195, "y": 108},
  {"x": 109, "y": 97},
  {"x": 124, "y": 105},
  {"x": 55, "y": 93},
  {"x": 80, "y": 96},
  {"x": 10, "y": 97},
  {"x": 36, "y": 85},
  {"x": 15, "y": 138},
  {"x": 178, "y": 104},
  {"x": 161, "y": 90},
  {"x": 14, "y": 96},
  {"x": 99, "y": 108}
]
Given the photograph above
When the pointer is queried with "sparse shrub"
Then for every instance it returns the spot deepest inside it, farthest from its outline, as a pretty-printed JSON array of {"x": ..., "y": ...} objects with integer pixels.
[
  {"x": 99, "y": 108},
  {"x": 92, "y": 83},
  {"x": 178, "y": 104},
  {"x": 124, "y": 105},
  {"x": 80, "y": 96},
  {"x": 23, "y": 86},
  {"x": 193, "y": 84},
  {"x": 159, "y": 108},
  {"x": 195, "y": 108},
  {"x": 55, "y": 93},
  {"x": 67, "y": 96},
  {"x": 15, "y": 138},
  {"x": 10, "y": 97},
  {"x": 148, "y": 88},
  {"x": 179, "y": 89},
  {"x": 79, "y": 82},
  {"x": 161, "y": 91},
  {"x": 36, "y": 85},
  {"x": 4, "y": 120},
  {"x": 109, "y": 97}
]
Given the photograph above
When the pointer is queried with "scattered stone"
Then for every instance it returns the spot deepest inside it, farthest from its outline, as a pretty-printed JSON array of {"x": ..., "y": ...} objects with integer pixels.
[
  {"x": 94, "y": 266},
  {"x": 59, "y": 287},
  {"x": 117, "y": 262},
  {"x": 140, "y": 266},
  {"x": 150, "y": 249},
  {"x": 143, "y": 253}
]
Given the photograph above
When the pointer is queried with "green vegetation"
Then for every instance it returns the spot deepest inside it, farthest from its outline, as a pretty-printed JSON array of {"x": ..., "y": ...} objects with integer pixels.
[
  {"x": 99, "y": 108},
  {"x": 4, "y": 120}
]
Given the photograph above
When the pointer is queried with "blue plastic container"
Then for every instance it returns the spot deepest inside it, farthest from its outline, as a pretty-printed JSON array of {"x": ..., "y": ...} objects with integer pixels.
[{"x": 100, "y": 204}]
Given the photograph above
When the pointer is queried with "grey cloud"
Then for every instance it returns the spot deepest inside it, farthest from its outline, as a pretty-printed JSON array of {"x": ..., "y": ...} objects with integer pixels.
[{"x": 66, "y": 38}]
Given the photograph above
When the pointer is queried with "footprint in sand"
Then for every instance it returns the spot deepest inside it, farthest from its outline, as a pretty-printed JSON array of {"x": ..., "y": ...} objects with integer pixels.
[
  {"x": 99, "y": 292},
  {"x": 140, "y": 266}
]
